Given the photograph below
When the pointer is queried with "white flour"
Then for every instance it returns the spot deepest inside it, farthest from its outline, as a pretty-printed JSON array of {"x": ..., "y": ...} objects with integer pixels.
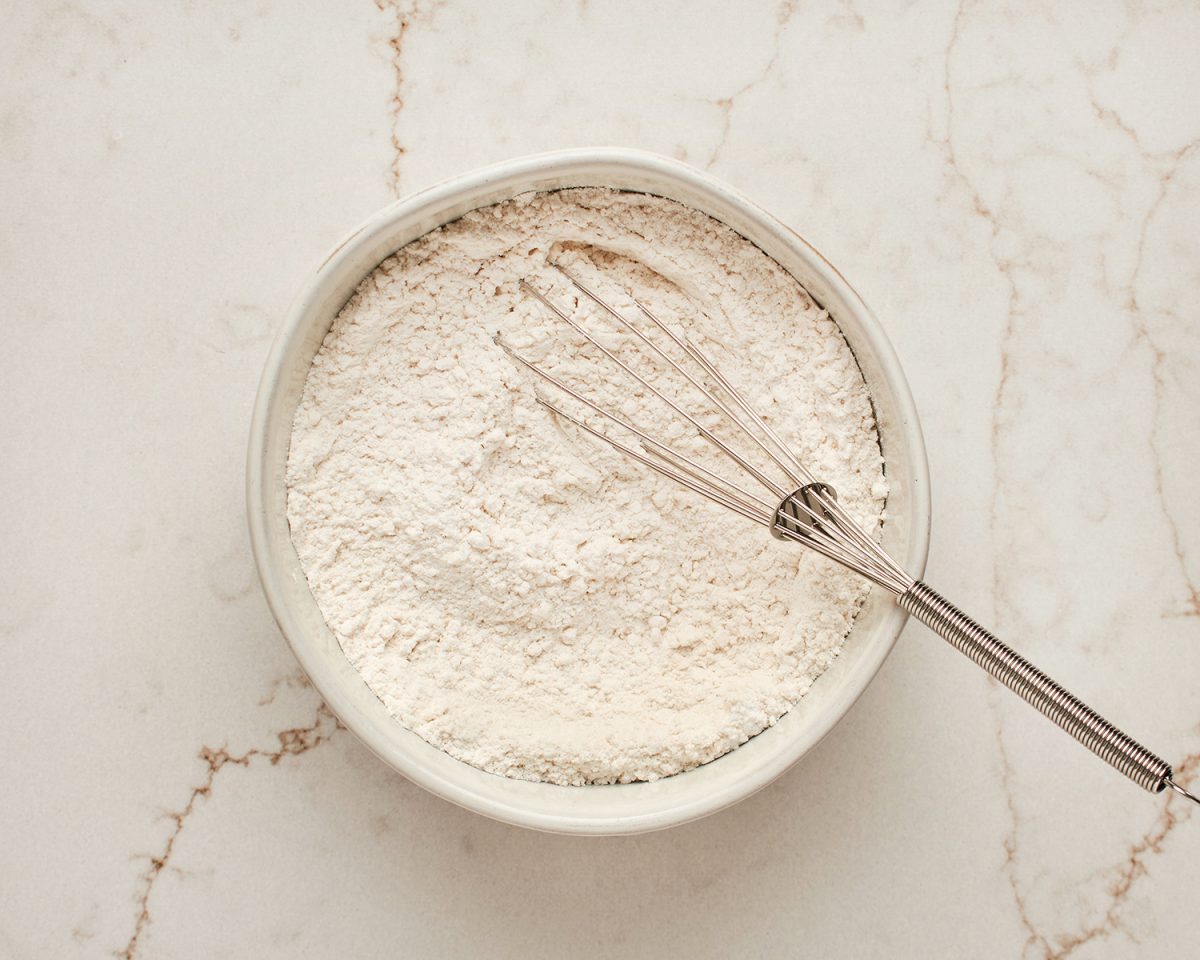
[{"x": 521, "y": 596}]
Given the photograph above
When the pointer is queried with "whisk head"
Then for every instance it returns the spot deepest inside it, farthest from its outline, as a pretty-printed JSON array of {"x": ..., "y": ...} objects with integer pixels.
[{"x": 799, "y": 509}]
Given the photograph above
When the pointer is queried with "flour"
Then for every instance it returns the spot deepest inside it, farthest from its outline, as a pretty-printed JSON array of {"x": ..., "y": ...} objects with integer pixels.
[{"x": 520, "y": 595}]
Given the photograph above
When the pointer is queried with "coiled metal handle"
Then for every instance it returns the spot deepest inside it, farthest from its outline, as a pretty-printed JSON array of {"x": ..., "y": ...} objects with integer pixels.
[{"x": 1028, "y": 682}]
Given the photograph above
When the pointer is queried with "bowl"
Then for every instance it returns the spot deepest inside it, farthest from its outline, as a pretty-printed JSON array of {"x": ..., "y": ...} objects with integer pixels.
[{"x": 593, "y": 809}]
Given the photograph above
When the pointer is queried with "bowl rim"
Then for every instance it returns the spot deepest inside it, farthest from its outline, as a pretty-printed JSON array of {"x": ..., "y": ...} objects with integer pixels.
[{"x": 272, "y": 381}]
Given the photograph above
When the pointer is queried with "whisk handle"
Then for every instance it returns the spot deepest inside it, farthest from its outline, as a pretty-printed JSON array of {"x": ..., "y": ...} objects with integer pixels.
[{"x": 1028, "y": 682}]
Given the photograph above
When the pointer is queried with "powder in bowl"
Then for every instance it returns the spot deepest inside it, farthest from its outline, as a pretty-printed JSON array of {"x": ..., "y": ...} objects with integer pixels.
[{"x": 522, "y": 597}]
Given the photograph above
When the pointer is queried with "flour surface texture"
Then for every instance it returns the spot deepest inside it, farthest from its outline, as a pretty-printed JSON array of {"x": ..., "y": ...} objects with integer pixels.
[{"x": 519, "y": 594}]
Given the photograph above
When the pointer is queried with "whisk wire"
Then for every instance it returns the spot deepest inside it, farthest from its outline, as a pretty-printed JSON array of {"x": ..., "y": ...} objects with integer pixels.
[
  {"x": 638, "y": 378},
  {"x": 704, "y": 490},
  {"x": 814, "y": 535},
  {"x": 656, "y": 446},
  {"x": 683, "y": 344},
  {"x": 799, "y": 474},
  {"x": 784, "y": 458},
  {"x": 829, "y": 530}
]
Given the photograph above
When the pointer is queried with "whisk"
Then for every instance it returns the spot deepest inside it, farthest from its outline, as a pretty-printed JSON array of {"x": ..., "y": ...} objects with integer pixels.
[{"x": 782, "y": 495}]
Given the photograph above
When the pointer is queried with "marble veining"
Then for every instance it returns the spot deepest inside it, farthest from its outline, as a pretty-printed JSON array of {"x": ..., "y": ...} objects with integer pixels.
[
  {"x": 292, "y": 743},
  {"x": 1014, "y": 188}
]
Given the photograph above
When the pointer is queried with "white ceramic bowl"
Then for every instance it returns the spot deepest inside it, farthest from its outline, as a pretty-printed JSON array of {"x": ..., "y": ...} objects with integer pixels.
[{"x": 598, "y": 809}]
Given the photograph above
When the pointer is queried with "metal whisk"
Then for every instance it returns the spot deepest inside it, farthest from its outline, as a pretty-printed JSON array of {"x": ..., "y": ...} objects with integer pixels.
[{"x": 806, "y": 510}]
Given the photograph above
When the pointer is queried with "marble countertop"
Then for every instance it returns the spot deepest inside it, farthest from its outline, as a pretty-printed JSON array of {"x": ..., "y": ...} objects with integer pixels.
[{"x": 1014, "y": 189}]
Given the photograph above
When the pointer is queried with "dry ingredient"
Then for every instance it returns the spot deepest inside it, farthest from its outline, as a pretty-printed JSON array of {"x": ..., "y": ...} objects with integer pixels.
[{"x": 521, "y": 596}]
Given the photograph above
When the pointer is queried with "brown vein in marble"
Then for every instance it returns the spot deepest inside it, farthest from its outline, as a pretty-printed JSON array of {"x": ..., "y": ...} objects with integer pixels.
[
  {"x": 292, "y": 743},
  {"x": 1010, "y": 841},
  {"x": 396, "y": 45},
  {"x": 1158, "y": 357},
  {"x": 1002, "y": 264},
  {"x": 1126, "y": 873},
  {"x": 1171, "y": 159},
  {"x": 291, "y": 681},
  {"x": 406, "y": 15},
  {"x": 725, "y": 105},
  {"x": 1174, "y": 811},
  {"x": 1112, "y": 118}
]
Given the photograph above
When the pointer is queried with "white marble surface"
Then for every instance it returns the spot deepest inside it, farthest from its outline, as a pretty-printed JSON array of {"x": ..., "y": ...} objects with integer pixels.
[{"x": 1014, "y": 188}]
